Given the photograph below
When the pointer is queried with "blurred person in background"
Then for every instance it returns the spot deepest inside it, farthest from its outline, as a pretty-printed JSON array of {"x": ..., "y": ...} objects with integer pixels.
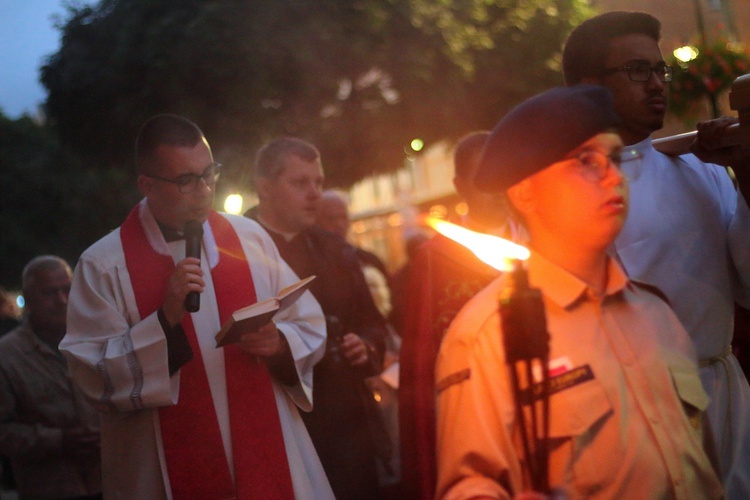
[
  {"x": 47, "y": 428},
  {"x": 333, "y": 216},
  {"x": 443, "y": 276}
]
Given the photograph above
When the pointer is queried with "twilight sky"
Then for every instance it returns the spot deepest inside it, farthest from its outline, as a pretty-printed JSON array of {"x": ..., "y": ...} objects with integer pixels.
[{"x": 27, "y": 36}]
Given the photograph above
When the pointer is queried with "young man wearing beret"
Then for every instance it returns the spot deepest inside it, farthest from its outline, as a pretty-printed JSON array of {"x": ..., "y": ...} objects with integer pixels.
[{"x": 628, "y": 422}]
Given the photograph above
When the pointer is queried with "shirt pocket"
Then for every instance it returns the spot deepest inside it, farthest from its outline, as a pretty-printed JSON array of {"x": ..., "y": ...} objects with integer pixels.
[
  {"x": 578, "y": 416},
  {"x": 687, "y": 384},
  {"x": 575, "y": 410}
]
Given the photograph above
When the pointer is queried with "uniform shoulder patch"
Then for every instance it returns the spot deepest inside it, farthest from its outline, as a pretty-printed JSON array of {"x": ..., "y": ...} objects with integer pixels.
[{"x": 453, "y": 379}]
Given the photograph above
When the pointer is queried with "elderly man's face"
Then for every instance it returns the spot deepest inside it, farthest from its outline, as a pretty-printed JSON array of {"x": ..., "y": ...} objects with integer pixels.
[
  {"x": 47, "y": 302},
  {"x": 169, "y": 206},
  {"x": 333, "y": 215}
]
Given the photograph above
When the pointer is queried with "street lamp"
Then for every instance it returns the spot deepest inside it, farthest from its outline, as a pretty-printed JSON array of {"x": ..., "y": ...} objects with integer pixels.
[
  {"x": 686, "y": 53},
  {"x": 233, "y": 204}
]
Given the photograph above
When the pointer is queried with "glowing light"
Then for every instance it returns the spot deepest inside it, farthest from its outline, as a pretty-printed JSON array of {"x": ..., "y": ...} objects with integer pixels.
[
  {"x": 438, "y": 211},
  {"x": 685, "y": 53},
  {"x": 395, "y": 220},
  {"x": 492, "y": 250},
  {"x": 20, "y": 301},
  {"x": 233, "y": 204},
  {"x": 417, "y": 145},
  {"x": 461, "y": 208},
  {"x": 359, "y": 227}
]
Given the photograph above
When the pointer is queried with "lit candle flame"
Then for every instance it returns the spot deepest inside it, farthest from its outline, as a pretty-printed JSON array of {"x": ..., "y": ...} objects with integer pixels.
[{"x": 492, "y": 250}]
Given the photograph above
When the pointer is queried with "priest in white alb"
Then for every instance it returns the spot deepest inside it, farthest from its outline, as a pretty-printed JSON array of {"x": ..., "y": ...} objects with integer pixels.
[{"x": 180, "y": 417}]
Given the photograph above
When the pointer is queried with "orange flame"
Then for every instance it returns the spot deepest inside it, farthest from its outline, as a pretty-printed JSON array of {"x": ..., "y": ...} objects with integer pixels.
[{"x": 492, "y": 250}]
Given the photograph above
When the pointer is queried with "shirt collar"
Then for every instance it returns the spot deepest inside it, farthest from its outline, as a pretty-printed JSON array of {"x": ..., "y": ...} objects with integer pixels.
[
  {"x": 158, "y": 241},
  {"x": 563, "y": 288},
  {"x": 634, "y": 168},
  {"x": 286, "y": 236},
  {"x": 642, "y": 146},
  {"x": 170, "y": 234}
]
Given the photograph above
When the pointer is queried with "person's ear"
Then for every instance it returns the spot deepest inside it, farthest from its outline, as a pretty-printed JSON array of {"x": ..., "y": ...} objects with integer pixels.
[
  {"x": 521, "y": 195},
  {"x": 460, "y": 185},
  {"x": 145, "y": 184},
  {"x": 262, "y": 185},
  {"x": 592, "y": 80}
]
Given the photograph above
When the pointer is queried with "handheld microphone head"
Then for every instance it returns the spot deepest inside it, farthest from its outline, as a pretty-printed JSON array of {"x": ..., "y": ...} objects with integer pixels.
[{"x": 193, "y": 237}]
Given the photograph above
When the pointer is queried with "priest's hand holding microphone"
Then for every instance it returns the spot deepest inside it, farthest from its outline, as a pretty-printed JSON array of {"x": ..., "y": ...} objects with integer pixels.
[
  {"x": 186, "y": 283},
  {"x": 184, "y": 289}
]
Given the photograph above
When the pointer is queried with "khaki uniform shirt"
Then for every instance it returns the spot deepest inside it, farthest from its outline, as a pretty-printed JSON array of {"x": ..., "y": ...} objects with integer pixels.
[{"x": 626, "y": 416}]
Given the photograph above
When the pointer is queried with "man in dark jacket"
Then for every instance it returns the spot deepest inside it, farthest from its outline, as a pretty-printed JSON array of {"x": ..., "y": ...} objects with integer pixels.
[
  {"x": 345, "y": 419},
  {"x": 47, "y": 428}
]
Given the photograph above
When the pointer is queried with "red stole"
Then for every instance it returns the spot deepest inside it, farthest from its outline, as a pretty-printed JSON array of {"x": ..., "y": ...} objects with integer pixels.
[{"x": 196, "y": 462}]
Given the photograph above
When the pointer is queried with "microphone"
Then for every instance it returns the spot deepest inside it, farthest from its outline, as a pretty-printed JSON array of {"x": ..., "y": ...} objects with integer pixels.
[{"x": 193, "y": 237}]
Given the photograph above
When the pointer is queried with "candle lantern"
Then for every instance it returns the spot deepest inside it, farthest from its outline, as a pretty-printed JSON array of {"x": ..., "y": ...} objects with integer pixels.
[
  {"x": 526, "y": 342},
  {"x": 525, "y": 339}
]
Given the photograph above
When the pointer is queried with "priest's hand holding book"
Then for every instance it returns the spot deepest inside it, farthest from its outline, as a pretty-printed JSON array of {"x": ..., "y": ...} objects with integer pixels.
[
  {"x": 252, "y": 326},
  {"x": 266, "y": 341}
]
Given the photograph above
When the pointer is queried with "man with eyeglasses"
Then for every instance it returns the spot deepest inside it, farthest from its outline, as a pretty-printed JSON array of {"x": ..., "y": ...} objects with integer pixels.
[
  {"x": 182, "y": 418},
  {"x": 620, "y": 364},
  {"x": 688, "y": 231}
]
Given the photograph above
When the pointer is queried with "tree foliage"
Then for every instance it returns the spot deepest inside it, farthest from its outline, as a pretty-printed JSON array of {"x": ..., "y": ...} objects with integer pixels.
[
  {"x": 708, "y": 75},
  {"x": 358, "y": 78},
  {"x": 50, "y": 204}
]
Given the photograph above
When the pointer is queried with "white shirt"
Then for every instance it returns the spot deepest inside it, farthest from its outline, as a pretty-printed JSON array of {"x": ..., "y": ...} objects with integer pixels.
[{"x": 688, "y": 233}]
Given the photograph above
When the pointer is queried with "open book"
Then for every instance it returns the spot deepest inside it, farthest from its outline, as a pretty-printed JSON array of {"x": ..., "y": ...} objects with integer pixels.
[{"x": 250, "y": 318}]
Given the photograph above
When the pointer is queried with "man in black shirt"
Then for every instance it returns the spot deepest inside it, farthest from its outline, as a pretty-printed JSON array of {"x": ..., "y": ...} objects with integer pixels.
[{"x": 344, "y": 423}]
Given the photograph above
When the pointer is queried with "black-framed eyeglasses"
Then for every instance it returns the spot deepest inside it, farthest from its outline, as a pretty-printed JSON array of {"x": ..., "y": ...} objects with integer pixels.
[
  {"x": 187, "y": 183},
  {"x": 641, "y": 71},
  {"x": 593, "y": 165}
]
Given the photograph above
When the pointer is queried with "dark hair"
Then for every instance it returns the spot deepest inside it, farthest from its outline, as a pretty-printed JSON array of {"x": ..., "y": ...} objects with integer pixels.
[
  {"x": 164, "y": 129},
  {"x": 269, "y": 161},
  {"x": 587, "y": 45},
  {"x": 467, "y": 153}
]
